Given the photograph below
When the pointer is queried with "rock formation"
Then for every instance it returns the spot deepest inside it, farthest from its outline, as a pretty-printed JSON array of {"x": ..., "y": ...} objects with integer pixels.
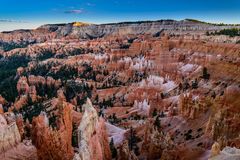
[
  {"x": 55, "y": 135},
  {"x": 227, "y": 153},
  {"x": 93, "y": 140},
  {"x": 192, "y": 106},
  {"x": 9, "y": 134},
  {"x": 155, "y": 142},
  {"x": 215, "y": 149},
  {"x": 125, "y": 153}
]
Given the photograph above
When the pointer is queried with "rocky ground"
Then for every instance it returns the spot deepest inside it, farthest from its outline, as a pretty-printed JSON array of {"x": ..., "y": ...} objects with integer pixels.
[{"x": 146, "y": 90}]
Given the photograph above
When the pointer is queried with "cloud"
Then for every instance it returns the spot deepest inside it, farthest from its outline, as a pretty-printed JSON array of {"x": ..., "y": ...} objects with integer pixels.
[
  {"x": 74, "y": 11},
  {"x": 90, "y": 4},
  {"x": 11, "y": 21}
]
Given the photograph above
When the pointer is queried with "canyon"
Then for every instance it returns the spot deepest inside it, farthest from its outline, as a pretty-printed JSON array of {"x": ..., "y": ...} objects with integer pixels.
[{"x": 124, "y": 91}]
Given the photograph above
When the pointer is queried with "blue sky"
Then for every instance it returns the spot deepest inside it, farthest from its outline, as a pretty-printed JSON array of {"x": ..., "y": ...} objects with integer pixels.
[{"x": 16, "y": 14}]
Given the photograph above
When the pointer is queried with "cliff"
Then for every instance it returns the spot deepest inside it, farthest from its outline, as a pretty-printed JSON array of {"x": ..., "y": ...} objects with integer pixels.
[
  {"x": 124, "y": 28},
  {"x": 23, "y": 38}
]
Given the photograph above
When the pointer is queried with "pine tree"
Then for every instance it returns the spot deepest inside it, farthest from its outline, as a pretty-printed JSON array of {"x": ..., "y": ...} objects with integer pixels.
[
  {"x": 113, "y": 149},
  {"x": 157, "y": 122},
  {"x": 154, "y": 112},
  {"x": 194, "y": 84},
  {"x": 97, "y": 98},
  {"x": 30, "y": 102},
  {"x": 114, "y": 117},
  {"x": 132, "y": 141},
  {"x": 180, "y": 86},
  {"x": 205, "y": 74},
  {"x": 75, "y": 136},
  {"x": 162, "y": 114}
]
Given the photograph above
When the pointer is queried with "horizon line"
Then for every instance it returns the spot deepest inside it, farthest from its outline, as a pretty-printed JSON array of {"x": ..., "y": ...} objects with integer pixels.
[{"x": 123, "y": 21}]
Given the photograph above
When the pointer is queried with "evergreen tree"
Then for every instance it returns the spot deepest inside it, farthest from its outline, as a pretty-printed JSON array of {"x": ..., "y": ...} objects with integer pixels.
[
  {"x": 114, "y": 117},
  {"x": 132, "y": 141},
  {"x": 30, "y": 102},
  {"x": 180, "y": 86},
  {"x": 157, "y": 122},
  {"x": 205, "y": 74},
  {"x": 213, "y": 95},
  {"x": 162, "y": 95},
  {"x": 97, "y": 98},
  {"x": 185, "y": 85},
  {"x": 100, "y": 113},
  {"x": 207, "y": 33},
  {"x": 113, "y": 149},
  {"x": 162, "y": 114},
  {"x": 154, "y": 112},
  {"x": 75, "y": 136},
  {"x": 195, "y": 84},
  {"x": 136, "y": 150}
]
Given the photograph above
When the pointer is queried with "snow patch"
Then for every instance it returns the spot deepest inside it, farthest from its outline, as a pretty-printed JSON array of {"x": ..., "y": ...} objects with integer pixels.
[
  {"x": 46, "y": 120},
  {"x": 126, "y": 60},
  {"x": 141, "y": 107},
  {"x": 140, "y": 63},
  {"x": 188, "y": 68},
  {"x": 156, "y": 81},
  {"x": 116, "y": 133},
  {"x": 100, "y": 56},
  {"x": 168, "y": 86},
  {"x": 228, "y": 153}
]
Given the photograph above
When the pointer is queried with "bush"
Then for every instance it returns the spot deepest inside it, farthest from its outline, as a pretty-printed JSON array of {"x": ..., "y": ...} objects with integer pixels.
[
  {"x": 10, "y": 46},
  {"x": 157, "y": 122},
  {"x": 29, "y": 112},
  {"x": 195, "y": 84},
  {"x": 228, "y": 32},
  {"x": 45, "y": 55}
]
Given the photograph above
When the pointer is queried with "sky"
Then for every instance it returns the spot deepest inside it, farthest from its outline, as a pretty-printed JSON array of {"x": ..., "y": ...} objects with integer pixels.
[{"x": 28, "y": 14}]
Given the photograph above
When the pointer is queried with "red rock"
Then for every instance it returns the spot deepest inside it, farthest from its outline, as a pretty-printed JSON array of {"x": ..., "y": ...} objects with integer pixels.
[{"x": 57, "y": 140}]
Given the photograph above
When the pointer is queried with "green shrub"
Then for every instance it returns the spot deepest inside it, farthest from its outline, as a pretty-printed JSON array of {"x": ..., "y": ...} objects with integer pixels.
[{"x": 228, "y": 32}]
